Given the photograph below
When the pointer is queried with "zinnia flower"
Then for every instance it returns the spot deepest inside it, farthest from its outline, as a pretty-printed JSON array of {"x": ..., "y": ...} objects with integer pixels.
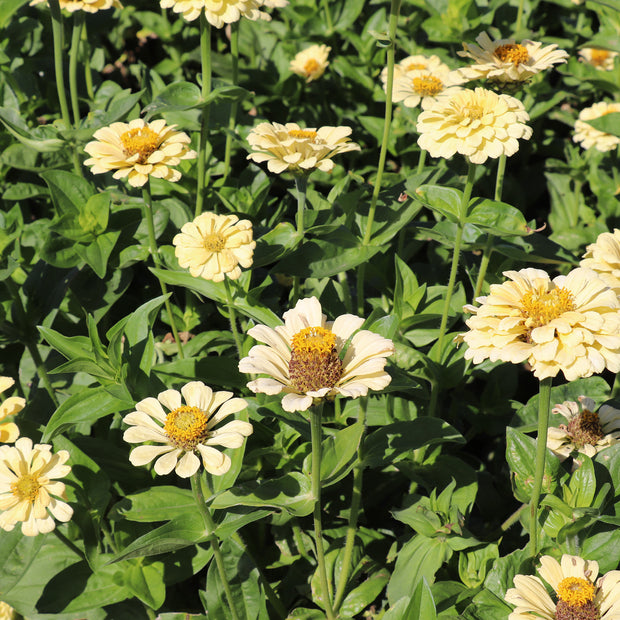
[
  {"x": 311, "y": 358},
  {"x": 570, "y": 323},
  {"x": 425, "y": 86},
  {"x": 591, "y": 137},
  {"x": 12, "y": 405},
  {"x": 88, "y": 6},
  {"x": 476, "y": 123},
  {"x": 28, "y": 491},
  {"x": 137, "y": 150},
  {"x": 417, "y": 62},
  {"x": 186, "y": 429},
  {"x": 213, "y": 246},
  {"x": 504, "y": 60},
  {"x": 603, "y": 60},
  {"x": 576, "y": 591},
  {"x": 289, "y": 147},
  {"x": 6, "y": 611},
  {"x": 603, "y": 256},
  {"x": 311, "y": 62},
  {"x": 275, "y": 4},
  {"x": 587, "y": 432},
  {"x": 218, "y": 12}
]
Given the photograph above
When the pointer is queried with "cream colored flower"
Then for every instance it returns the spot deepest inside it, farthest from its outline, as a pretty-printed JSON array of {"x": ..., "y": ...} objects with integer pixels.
[
  {"x": 569, "y": 324},
  {"x": 417, "y": 62},
  {"x": 576, "y": 591},
  {"x": 186, "y": 430},
  {"x": 214, "y": 246},
  {"x": 275, "y": 4},
  {"x": 88, "y": 6},
  {"x": 137, "y": 150},
  {"x": 311, "y": 62},
  {"x": 10, "y": 406},
  {"x": 7, "y": 612},
  {"x": 590, "y": 137},
  {"x": 28, "y": 491},
  {"x": 603, "y": 256},
  {"x": 289, "y": 147},
  {"x": 304, "y": 357},
  {"x": 426, "y": 86},
  {"x": 601, "y": 59},
  {"x": 218, "y": 12},
  {"x": 587, "y": 432},
  {"x": 504, "y": 60},
  {"x": 476, "y": 123}
]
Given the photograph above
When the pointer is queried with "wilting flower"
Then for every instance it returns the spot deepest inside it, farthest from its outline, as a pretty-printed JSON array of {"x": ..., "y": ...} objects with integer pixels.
[
  {"x": 587, "y": 432},
  {"x": 289, "y": 147},
  {"x": 311, "y": 62},
  {"x": 6, "y": 611},
  {"x": 603, "y": 256},
  {"x": 186, "y": 430},
  {"x": 311, "y": 358},
  {"x": 88, "y": 6},
  {"x": 28, "y": 489},
  {"x": 218, "y": 13},
  {"x": 476, "y": 123},
  {"x": 570, "y": 323},
  {"x": 137, "y": 150},
  {"x": 10, "y": 406},
  {"x": 504, "y": 60},
  {"x": 601, "y": 59},
  {"x": 417, "y": 62},
  {"x": 576, "y": 591},
  {"x": 214, "y": 246},
  {"x": 591, "y": 137},
  {"x": 428, "y": 87}
]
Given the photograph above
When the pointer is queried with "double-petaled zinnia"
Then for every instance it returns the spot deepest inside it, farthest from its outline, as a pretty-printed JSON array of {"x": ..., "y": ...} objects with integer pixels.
[
  {"x": 586, "y": 430},
  {"x": 139, "y": 150},
  {"x": 214, "y": 247},
  {"x": 505, "y": 61},
  {"x": 311, "y": 62},
  {"x": 425, "y": 86},
  {"x": 186, "y": 430},
  {"x": 600, "y": 59},
  {"x": 10, "y": 406},
  {"x": 293, "y": 149},
  {"x": 218, "y": 12},
  {"x": 569, "y": 324},
  {"x": 476, "y": 123},
  {"x": 589, "y": 137},
  {"x": 417, "y": 62},
  {"x": 577, "y": 593},
  {"x": 29, "y": 491},
  {"x": 309, "y": 358},
  {"x": 88, "y": 6},
  {"x": 6, "y": 611},
  {"x": 603, "y": 256}
]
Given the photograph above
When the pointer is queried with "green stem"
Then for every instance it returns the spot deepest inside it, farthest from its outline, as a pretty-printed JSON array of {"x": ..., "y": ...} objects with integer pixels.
[
  {"x": 232, "y": 118},
  {"x": 519, "y": 20},
  {"x": 328, "y": 17},
  {"x": 544, "y": 403},
  {"x": 57, "y": 35},
  {"x": 233, "y": 318},
  {"x": 316, "y": 430},
  {"x": 67, "y": 543},
  {"x": 78, "y": 24},
  {"x": 205, "y": 58},
  {"x": 421, "y": 161},
  {"x": 301, "y": 185},
  {"x": 88, "y": 78}
]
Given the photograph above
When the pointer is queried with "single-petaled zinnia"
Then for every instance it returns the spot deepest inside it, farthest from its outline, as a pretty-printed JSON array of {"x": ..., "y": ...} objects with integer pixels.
[
  {"x": 588, "y": 136},
  {"x": 218, "y": 12},
  {"x": 600, "y": 59},
  {"x": 29, "y": 491},
  {"x": 10, "y": 406},
  {"x": 215, "y": 246},
  {"x": 88, "y": 6},
  {"x": 569, "y": 324},
  {"x": 186, "y": 430},
  {"x": 309, "y": 358},
  {"x": 577, "y": 593},
  {"x": 139, "y": 150},
  {"x": 427, "y": 87},
  {"x": 417, "y": 62},
  {"x": 311, "y": 62}
]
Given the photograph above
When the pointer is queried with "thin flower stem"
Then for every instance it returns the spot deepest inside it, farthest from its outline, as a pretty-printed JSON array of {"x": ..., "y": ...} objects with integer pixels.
[
  {"x": 88, "y": 78},
  {"x": 519, "y": 20},
  {"x": 544, "y": 403},
  {"x": 232, "y": 118},
  {"x": 205, "y": 58},
  {"x": 67, "y": 543},
  {"x": 421, "y": 161},
  {"x": 74, "y": 52},
  {"x": 217, "y": 552},
  {"x": 301, "y": 185},
  {"x": 232, "y": 317},
  {"x": 58, "y": 64},
  {"x": 316, "y": 430},
  {"x": 328, "y": 16}
]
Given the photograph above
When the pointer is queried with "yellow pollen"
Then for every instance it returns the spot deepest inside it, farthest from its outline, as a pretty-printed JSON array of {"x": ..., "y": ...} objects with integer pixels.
[
  {"x": 512, "y": 52},
  {"x": 599, "y": 57},
  {"x": 186, "y": 427},
  {"x": 26, "y": 488},
  {"x": 472, "y": 113},
  {"x": 427, "y": 86},
  {"x": 311, "y": 66},
  {"x": 303, "y": 134},
  {"x": 313, "y": 340},
  {"x": 541, "y": 307},
  {"x": 214, "y": 242},
  {"x": 142, "y": 141},
  {"x": 415, "y": 66},
  {"x": 575, "y": 591}
]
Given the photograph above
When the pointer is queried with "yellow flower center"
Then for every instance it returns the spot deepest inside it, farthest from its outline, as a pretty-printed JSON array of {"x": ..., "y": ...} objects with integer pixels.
[
  {"x": 142, "y": 141},
  {"x": 303, "y": 134},
  {"x": 427, "y": 86},
  {"x": 214, "y": 242},
  {"x": 415, "y": 66},
  {"x": 541, "y": 307},
  {"x": 311, "y": 66},
  {"x": 471, "y": 112},
  {"x": 314, "y": 360},
  {"x": 512, "y": 52},
  {"x": 186, "y": 427},
  {"x": 585, "y": 428},
  {"x": 576, "y": 591},
  {"x": 26, "y": 488},
  {"x": 599, "y": 57}
]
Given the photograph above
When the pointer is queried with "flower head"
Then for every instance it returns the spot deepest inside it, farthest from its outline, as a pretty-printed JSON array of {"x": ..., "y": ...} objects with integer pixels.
[
  {"x": 569, "y": 324},
  {"x": 10, "y": 406},
  {"x": 137, "y": 150},
  {"x": 28, "y": 489},
  {"x": 600, "y": 59},
  {"x": 7, "y": 612},
  {"x": 603, "y": 256},
  {"x": 311, "y": 62},
  {"x": 417, "y": 62},
  {"x": 504, "y": 60},
  {"x": 186, "y": 430},
  {"x": 590, "y": 137},
  {"x": 476, "y": 123},
  {"x": 311, "y": 358},
  {"x": 88, "y": 6},
  {"x": 289, "y": 147},
  {"x": 275, "y": 4},
  {"x": 214, "y": 246},
  {"x": 576, "y": 591},
  {"x": 426, "y": 86},
  {"x": 218, "y": 13},
  {"x": 586, "y": 431}
]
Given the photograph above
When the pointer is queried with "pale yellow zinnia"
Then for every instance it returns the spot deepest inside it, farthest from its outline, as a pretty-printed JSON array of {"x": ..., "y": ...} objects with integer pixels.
[
  {"x": 476, "y": 123},
  {"x": 7, "y": 612},
  {"x": 577, "y": 593},
  {"x": 139, "y": 150},
  {"x": 186, "y": 431},
  {"x": 88, "y": 6},
  {"x": 425, "y": 87},
  {"x": 603, "y": 256},
  {"x": 311, "y": 62},
  {"x": 588, "y": 136},
  {"x": 600, "y": 59},
  {"x": 417, "y": 62},
  {"x": 218, "y": 12},
  {"x": 569, "y": 324},
  {"x": 10, "y": 406},
  {"x": 29, "y": 492},
  {"x": 303, "y": 357}
]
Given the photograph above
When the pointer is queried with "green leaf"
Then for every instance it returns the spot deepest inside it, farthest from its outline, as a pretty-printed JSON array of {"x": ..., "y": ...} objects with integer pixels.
[
  {"x": 497, "y": 218},
  {"x": 69, "y": 346},
  {"x": 146, "y": 583},
  {"x": 446, "y": 201},
  {"x": 97, "y": 254},
  {"x": 364, "y": 594},
  {"x": 608, "y": 123},
  {"x": 339, "y": 452},
  {"x": 162, "y": 503},
  {"x": 17, "y": 553},
  {"x": 275, "y": 244},
  {"x": 177, "y": 96},
  {"x": 7, "y": 8},
  {"x": 69, "y": 191},
  {"x": 42, "y": 139}
]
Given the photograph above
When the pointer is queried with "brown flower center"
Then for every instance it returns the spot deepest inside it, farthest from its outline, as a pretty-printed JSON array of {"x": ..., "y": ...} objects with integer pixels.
[
  {"x": 186, "y": 427},
  {"x": 585, "y": 428},
  {"x": 576, "y": 600},
  {"x": 512, "y": 52},
  {"x": 427, "y": 86},
  {"x": 303, "y": 134},
  {"x": 311, "y": 66},
  {"x": 26, "y": 488},
  {"x": 142, "y": 141},
  {"x": 415, "y": 66},
  {"x": 541, "y": 307},
  {"x": 599, "y": 57},
  {"x": 314, "y": 360},
  {"x": 214, "y": 242}
]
